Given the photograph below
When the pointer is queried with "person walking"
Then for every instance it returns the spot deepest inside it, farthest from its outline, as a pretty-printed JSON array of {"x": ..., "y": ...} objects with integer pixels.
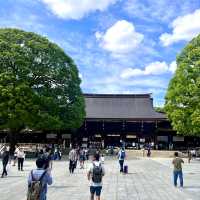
[
  {"x": 47, "y": 158},
  {"x": 21, "y": 157},
  {"x": 59, "y": 153},
  {"x": 5, "y": 159},
  {"x": 149, "y": 151},
  {"x": 121, "y": 157},
  {"x": 72, "y": 160},
  {"x": 95, "y": 175},
  {"x": 177, "y": 162},
  {"x": 15, "y": 155},
  {"x": 40, "y": 154},
  {"x": 87, "y": 153},
  {"x": 102, "y": 159},
  {"x": 189, "y": 156},
  {"x": 82, "y": 158},
  {"x": 38, "y": 180}
]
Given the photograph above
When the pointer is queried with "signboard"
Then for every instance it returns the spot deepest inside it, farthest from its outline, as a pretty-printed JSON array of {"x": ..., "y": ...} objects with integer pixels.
[
  {"x": 51, "y": 136},
  {"x": 85, "y": 139},
  {"x": 162, "y": 138},
  {"x": 142, "y": 140},
  {"x": 66, "y": 136},
  {"x": 84, "y": 145},
  {"x": 97, "y": 136},
  {"x": 114, "y": 135},
  {"x": 131, "y": 136},
  {"x": 178, "y": 139}
]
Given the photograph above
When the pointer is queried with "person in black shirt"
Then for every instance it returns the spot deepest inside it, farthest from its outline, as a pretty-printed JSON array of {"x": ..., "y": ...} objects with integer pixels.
[
  {"x": 5, "y": 159},
  {"x": 47, "y": 159}
]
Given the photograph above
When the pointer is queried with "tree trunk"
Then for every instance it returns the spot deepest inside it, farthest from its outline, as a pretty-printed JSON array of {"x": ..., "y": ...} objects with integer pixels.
[{"x": 12, "y": 139}]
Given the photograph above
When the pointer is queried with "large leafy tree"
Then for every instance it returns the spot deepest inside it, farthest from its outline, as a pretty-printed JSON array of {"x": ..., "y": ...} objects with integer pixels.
[
  {"x": 39, "y": 84},
  {"x": 183, "y": 95}
]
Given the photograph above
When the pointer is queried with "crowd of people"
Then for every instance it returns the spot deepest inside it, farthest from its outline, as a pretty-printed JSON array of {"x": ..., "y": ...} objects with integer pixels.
[
  {"x": 40, "y": 177},
  {"x": 19, "y": 157}
]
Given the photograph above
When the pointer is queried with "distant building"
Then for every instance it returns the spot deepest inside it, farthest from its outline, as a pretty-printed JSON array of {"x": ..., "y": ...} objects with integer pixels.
[
  {"x": 116, "y": 120},
  {"x": 113, "y": 119}
]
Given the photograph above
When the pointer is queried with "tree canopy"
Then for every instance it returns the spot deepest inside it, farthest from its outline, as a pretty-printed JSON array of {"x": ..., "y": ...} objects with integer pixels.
[
  {"x": 39, "y": 84},
  {"x": 159, "y": 109},
  {"x": 183, "y": 95}
]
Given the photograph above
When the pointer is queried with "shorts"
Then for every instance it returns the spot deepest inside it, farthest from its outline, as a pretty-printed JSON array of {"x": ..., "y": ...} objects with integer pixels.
[
  {"x": 96, "y": 190},
  {"x": 82, "y": 158}
]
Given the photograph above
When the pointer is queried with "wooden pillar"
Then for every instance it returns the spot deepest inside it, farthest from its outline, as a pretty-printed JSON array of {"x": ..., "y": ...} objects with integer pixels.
[
  {"x": 123, "y": 125},
  {"x": 85, "y": 126},
  {"x": 142, "y": 125}
]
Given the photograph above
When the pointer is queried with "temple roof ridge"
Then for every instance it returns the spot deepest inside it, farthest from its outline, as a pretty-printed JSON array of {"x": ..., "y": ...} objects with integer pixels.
[{"x": 121, "y": 106}]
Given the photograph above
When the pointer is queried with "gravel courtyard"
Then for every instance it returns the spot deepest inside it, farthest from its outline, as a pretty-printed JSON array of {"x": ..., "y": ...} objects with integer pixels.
[{"x": 148, "y": 179}]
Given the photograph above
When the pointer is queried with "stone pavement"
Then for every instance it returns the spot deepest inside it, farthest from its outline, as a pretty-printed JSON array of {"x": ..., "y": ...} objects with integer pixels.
[{"x": 148, "y": 179}]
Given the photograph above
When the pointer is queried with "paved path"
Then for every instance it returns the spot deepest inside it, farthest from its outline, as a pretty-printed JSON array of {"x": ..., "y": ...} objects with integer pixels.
[{"x": 148, "y": 179}]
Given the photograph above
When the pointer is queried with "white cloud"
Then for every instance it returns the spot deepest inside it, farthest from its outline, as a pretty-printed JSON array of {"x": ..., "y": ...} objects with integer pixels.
[
  {"x": 116, "y": 81},
  {"x": 184, "y": 28},
  {"x": 160, "y": 10},
  {"x": 154, "y": 68},
  {"x": 173, "y": 67},
  {"x": 121, "y": 38},
  {"x": 76, "y": 9},
  {"x": 129, "y": 72},
  {"x": 80, "y": 75},
  {"x": 98, "y": 35},
  {"x": 16, "y": 20}
]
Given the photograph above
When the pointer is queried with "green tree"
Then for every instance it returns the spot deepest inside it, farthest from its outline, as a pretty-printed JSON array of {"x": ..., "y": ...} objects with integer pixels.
[
  {"x": 183, "y": 95},
  {"x": 39, "y": 84},
  {"x": 159, "y": 109}
]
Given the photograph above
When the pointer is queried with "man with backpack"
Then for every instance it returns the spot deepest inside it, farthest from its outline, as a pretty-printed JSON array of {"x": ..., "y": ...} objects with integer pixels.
[
  {"x": 121, "y": 157},
  {"x": 95, "y": 175},
  {"x": 38, "y": 180}
]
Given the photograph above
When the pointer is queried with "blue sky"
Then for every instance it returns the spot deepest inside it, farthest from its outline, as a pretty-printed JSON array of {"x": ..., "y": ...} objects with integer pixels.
[{"x": 119, "y": 46}]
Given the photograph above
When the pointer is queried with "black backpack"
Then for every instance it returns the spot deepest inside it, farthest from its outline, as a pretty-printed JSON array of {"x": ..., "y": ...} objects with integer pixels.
[{"x": 97, "y": 173}]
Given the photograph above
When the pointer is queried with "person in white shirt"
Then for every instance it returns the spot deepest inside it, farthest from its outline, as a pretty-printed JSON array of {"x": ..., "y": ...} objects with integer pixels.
[
  {"x": 95, "y": 175},
  {"x": 102, "y": 159},
  {"x": 21, "y": 157},
  {"x": 15, "y": 155}
]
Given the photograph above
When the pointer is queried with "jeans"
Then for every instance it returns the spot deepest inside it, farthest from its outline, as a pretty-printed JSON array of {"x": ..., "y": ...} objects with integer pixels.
[
  {"x": 43, "y": 197},
  {"x": 121, "y": 162},
  {"x": 180, "y": 175}
]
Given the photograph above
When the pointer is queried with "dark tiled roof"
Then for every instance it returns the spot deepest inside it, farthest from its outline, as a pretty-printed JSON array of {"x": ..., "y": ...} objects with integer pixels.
[{"x": 119, "y": 106}]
